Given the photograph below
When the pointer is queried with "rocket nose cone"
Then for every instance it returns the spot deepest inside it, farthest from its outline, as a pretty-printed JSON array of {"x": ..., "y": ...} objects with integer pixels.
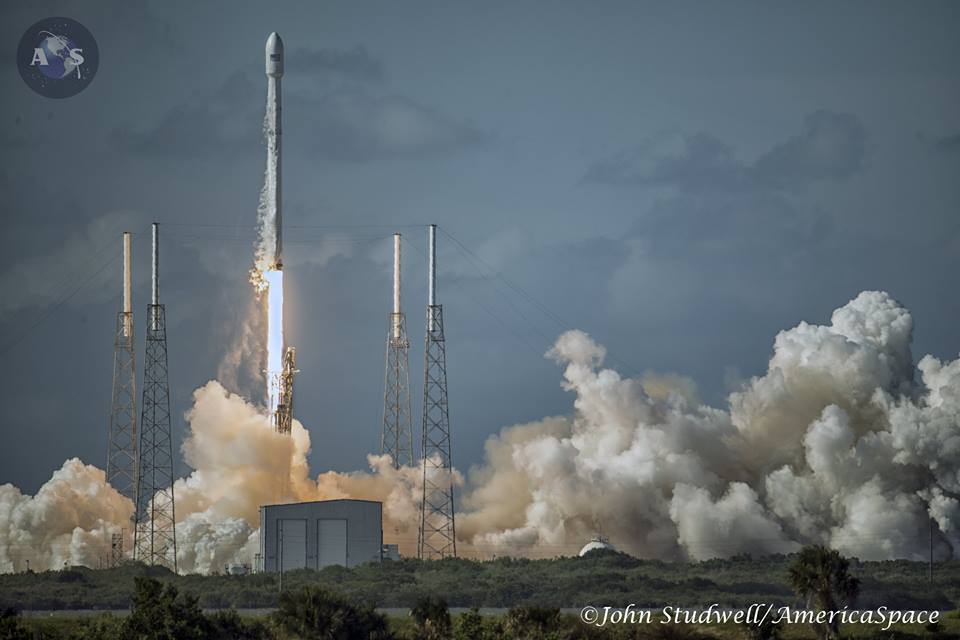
[
  {"x": 274, "y": 55},
  {"x": 274, "y": 43}
]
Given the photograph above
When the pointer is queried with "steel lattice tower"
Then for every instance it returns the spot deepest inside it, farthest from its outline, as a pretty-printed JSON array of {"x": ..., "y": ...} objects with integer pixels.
[
  {"x": 155, "y": 539},
  {"x": 396, "y": 438},
  {"x": 122, "y": 428},
  {"x": 283, "y": 416},
  {"x": 437, "y": 535},
  {"x": 116, "y": 549}
]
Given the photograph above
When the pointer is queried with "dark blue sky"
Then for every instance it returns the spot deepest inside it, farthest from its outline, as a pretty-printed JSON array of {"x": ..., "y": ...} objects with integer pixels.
[{"x": 681, "y": 180}]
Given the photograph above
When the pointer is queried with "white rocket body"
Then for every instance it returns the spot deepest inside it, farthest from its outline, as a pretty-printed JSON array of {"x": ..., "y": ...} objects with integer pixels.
[{"x": 274, "y": 69}]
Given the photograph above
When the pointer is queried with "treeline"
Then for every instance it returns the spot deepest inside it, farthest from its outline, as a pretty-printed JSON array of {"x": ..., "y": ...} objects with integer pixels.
[
  {"x": 159, "y": 612},
  {"x": 602, "y": 577}
]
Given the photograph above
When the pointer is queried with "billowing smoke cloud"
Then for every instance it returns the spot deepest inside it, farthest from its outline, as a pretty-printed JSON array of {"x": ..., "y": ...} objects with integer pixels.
[
  {"x": 68, "y": 522},
  {"x": 835, "y": 444},
  {"x": 838, "y": 443},
  {"x": 240, "y": 463}
]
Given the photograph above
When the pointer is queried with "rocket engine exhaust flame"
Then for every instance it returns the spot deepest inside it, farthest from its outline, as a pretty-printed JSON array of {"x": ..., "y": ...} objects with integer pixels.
[{"x": 274, "y": 280}]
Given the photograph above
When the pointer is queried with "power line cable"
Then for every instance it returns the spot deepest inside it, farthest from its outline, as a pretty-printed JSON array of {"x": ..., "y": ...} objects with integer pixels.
[
  {"x": 538, "y": 351},
  {"x": 51, "y": 310},
  {"x": 631, "y": 369}
]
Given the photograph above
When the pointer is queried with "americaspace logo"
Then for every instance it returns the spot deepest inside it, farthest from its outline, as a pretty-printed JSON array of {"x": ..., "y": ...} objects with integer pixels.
[{"x": 57, "y": 57}]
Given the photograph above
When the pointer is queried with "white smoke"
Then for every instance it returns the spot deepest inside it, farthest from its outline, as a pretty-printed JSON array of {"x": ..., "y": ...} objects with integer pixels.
[
  {"x": 240, "y": 463},
  {"x": 266, "y": 209},
  {"x": 837, "y": 443},
  {"x": 68, "y": 522}
]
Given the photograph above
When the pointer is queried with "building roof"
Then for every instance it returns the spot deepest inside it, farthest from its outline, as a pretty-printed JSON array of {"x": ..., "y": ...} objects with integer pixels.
[{"x": 290, "y": 504}]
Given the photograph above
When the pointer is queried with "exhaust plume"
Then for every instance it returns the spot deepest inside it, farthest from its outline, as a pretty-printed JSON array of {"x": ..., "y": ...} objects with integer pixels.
[
  {"x": 835, "y": 444},
  {"x": 841, "y": 442}
]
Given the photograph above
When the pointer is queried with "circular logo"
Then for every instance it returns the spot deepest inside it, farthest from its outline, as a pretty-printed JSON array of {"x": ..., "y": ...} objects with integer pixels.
[{"x": 58, "y": 57}]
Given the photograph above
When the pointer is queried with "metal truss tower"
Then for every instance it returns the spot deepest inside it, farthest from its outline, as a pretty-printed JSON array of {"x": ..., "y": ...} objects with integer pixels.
[
  {"x": 122, "y": 428},
  {"x": 154, "y": 539},
  {"x": 283, "y": 416},
  {"x": 437, "y": 535},
  {"x": 116, "y": 549},
  {"x": 396, "y": 438}
]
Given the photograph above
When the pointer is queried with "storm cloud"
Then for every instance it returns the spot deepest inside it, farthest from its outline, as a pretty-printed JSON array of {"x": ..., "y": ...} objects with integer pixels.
[
  {"x": 830, "y": 146},
  {"x": 335, "y": 96}
]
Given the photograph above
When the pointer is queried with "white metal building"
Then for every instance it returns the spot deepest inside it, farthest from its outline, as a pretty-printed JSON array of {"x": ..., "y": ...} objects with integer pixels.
[{"x": 314, "y": 535}]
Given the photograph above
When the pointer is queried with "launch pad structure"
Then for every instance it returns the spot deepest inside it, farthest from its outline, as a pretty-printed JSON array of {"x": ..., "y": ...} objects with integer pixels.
[
  {"x": 396, "y": 437},
  {"x": 122, "y": 428},
  {"x": 437, "y": 533},
  {"x": 283, "y": 415},
  {"x": 154, "y": 538}
]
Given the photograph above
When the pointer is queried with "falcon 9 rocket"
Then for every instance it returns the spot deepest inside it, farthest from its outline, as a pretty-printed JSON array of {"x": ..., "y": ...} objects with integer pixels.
[
  {"x": 280, "y": 357},
  {"x": 274, "y": 67}
]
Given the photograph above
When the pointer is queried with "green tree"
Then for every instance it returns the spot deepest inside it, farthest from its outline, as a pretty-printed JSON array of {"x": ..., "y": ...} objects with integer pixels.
[
  {"x": 228, "y": 625},
  {"x": 10, "y": 626},
  {"x": 313, "y": 613},
  {"x": 531, "y": 623},
  {"x": 469, "y": 626},
  {"x": 822, "y": 578},
  {"x": 433, "y": 619},
  {"x": 159, "y": 613}
]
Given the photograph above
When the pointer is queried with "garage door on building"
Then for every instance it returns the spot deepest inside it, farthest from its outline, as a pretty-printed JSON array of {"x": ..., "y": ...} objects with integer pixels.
[
  {"x": 331, "y": 543},
  {"x": 291, "y": 544}
]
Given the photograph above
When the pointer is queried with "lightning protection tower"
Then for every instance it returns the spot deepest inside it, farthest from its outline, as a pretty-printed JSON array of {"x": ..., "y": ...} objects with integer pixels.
[
  {"x": 396, "y": 438},
  {"x": 437, "y": 535},
  {"x": 122, "y": 428},
  {"x": 155, "y": 540}
]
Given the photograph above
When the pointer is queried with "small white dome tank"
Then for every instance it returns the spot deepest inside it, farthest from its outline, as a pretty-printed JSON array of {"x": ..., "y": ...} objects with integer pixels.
[{"x": 597, "y": 542}]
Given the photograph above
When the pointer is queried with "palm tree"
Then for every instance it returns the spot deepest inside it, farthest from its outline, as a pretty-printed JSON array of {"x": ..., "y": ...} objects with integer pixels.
[{"x": 822, "y": 578}]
